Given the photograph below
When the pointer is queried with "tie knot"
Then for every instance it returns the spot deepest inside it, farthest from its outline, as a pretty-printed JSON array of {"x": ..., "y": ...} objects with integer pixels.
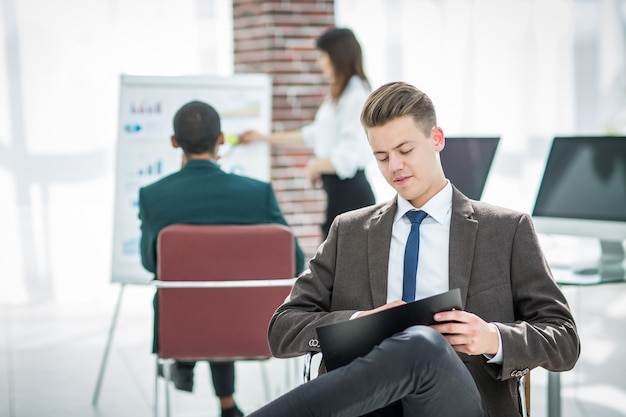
[{"x": 416, "y": 216}]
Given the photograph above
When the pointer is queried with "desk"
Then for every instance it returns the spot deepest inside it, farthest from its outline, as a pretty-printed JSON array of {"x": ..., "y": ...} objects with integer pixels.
[{"x": 565, "y": 277}]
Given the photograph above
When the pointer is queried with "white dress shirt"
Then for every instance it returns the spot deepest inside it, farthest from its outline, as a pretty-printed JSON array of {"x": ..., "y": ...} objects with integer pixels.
[
  {"x": 432, "y": 262},
  {"x": 337, "y": 134}
]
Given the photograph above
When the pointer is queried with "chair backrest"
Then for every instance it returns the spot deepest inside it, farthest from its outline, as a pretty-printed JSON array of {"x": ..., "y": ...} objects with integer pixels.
[{"x": 220, "y": 323}]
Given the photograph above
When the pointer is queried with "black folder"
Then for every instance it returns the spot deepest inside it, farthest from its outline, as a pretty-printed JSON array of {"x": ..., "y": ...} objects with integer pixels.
[{"x": 342, "y": 342}]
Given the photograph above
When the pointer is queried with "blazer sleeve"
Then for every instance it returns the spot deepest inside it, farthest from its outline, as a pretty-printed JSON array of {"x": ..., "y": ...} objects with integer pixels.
[
  {"x": 292, "y": 327},
  {"x": 544, "y": 333}
]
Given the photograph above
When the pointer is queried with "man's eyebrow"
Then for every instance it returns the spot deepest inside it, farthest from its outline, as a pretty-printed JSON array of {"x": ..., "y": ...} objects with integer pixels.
[{"x": 394, "y": 148}]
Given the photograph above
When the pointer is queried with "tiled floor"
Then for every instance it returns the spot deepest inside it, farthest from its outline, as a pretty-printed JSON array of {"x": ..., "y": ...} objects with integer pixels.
[{"x": 50, "y": 354}]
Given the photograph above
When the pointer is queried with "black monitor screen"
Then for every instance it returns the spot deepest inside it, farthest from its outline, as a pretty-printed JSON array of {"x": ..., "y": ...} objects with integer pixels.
[
  {"x": 466, "y": 162},
  {"x": 584, "y": 178}
]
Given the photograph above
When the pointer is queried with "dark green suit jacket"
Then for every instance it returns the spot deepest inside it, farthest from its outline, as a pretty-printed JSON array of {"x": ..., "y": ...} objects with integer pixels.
[{"x": 201, "y": 193}]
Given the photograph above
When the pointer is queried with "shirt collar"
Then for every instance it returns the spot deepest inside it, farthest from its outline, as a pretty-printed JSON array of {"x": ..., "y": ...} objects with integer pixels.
[{"x": 437, "y": 207}]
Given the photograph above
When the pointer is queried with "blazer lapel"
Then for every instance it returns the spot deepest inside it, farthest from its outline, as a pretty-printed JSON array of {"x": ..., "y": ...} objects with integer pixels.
[
  {"x": 463, "y": 231},
  {"x": 378, "y": 241}
]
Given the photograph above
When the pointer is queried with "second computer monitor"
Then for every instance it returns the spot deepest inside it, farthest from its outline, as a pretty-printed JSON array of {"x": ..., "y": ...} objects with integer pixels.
[
  {"x": 466, "y": 162},
  {"x": 583, "y": 193}
]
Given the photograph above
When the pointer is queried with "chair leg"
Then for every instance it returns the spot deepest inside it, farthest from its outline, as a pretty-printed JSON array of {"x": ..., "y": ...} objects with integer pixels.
[
  {"x": 308, "y": 361},
  {"x": 167, "y": 373},
  {"x": 523, "y": 396},
  {"x": 266, "y": 380},
  {"x": 156, "y": 388},
  {"x": 292, "y": 373}
]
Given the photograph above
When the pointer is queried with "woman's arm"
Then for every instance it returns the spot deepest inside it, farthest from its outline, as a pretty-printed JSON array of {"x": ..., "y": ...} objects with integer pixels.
[{"x": 290, "y": 137}]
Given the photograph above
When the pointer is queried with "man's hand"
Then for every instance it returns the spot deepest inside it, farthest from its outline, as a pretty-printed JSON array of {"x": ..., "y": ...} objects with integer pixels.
[
  {"x": 467, "y": 333},
  {"x": 381, "y": 308}
]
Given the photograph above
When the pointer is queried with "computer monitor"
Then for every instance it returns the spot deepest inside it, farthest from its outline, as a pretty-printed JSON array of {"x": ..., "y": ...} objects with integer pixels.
[
  {"x": 466, "y": 162},
  {"x": 583, "y": 193}
]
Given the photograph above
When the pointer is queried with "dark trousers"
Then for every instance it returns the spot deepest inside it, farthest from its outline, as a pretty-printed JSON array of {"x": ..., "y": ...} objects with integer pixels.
[
  {"x": 414, "y": 373},
  {"x": 222, "y": 375},
  {"x": 344, "y": 195}
]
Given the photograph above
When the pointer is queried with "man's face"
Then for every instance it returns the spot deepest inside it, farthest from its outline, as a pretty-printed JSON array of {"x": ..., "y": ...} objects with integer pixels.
[{"x": 408, "y": 159}]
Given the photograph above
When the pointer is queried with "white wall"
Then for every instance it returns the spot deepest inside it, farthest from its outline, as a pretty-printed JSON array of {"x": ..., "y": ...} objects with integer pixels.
[
  {"x": 522, "y": 69},
  {"x": 59, "y": 75}
]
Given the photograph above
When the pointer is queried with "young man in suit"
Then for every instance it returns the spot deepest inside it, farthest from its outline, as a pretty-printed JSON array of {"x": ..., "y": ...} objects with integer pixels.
[
  {"x": 201, "y": 193},
  {"x": 515, "y": 318}
]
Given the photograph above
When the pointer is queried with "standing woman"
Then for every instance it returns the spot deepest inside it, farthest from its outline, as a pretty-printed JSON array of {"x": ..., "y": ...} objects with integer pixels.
[{"x": 340, "y": 147}]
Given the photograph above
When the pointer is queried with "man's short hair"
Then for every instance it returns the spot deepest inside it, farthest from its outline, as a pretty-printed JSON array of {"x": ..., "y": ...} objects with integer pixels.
[
  {"x": 197, "y": 127},
  {"x": 399, "y": 99}
]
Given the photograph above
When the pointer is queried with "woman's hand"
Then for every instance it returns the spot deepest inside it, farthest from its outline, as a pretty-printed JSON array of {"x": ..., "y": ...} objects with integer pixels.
[
  {"x": 311, "y": 173},
  {"x": 250, "y": 136},
  {"x": 314, "y": 169}
]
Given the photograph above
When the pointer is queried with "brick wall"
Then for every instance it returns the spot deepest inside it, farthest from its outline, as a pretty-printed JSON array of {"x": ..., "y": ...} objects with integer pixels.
[{"x": 277, "y": 37}]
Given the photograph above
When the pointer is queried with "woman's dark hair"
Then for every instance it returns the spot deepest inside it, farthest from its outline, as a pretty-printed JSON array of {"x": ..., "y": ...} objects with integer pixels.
[{"x": 345, "y": 54}]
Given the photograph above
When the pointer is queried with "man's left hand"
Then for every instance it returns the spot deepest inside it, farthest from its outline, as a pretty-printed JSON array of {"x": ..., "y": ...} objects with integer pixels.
[{"x": 467, "y": 333}]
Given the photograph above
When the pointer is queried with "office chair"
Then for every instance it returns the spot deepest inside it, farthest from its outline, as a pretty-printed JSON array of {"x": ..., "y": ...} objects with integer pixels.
[
  {"x": 523, "y": 384},
  {"x": 218, "y": 288}
]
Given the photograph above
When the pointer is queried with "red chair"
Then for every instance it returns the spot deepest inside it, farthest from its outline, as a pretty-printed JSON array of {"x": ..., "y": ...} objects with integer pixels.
[{"x": 218, "y": 288}]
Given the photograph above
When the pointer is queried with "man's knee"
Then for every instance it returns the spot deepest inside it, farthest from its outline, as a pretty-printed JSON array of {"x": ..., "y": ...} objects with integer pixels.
[{"x": 419, "y": 339}]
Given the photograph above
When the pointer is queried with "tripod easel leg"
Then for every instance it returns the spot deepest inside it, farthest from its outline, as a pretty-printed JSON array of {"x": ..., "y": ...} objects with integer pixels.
[{"x": 107, "y": 349}]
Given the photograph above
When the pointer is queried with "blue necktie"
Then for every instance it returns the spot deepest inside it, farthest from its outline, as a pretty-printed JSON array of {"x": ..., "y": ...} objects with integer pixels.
[{"x": 410, "y": 254}]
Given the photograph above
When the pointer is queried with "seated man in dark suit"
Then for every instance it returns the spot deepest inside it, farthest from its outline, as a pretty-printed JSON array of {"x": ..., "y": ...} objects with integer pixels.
[
  {"x": 515, "y": 317},
  {"x": 201, "y": 193}
]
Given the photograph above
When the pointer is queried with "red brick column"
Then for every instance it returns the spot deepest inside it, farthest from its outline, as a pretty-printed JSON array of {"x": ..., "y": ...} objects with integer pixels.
[{"x": 277, "y": 37}]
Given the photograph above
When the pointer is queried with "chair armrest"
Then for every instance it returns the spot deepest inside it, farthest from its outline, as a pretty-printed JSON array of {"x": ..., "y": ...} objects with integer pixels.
[
  {"x": 523, "y": 389},
  {"x": 308, "y": 359},
  {"x": 287, "y": 282}
]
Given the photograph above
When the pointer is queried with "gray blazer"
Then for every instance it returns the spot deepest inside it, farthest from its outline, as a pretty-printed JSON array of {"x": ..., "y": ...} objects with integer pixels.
[{"x": 495, "y": 260}]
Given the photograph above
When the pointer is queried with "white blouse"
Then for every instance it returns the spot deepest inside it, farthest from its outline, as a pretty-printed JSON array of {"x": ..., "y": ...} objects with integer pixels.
[{"x": 337, "y": 134}]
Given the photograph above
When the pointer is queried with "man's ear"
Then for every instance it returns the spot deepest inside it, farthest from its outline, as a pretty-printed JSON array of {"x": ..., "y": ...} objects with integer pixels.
[
  {"x": 174, "y": 142},
  {"x": 218, "y": 143},
  {"x": 440, "y": 139}
]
